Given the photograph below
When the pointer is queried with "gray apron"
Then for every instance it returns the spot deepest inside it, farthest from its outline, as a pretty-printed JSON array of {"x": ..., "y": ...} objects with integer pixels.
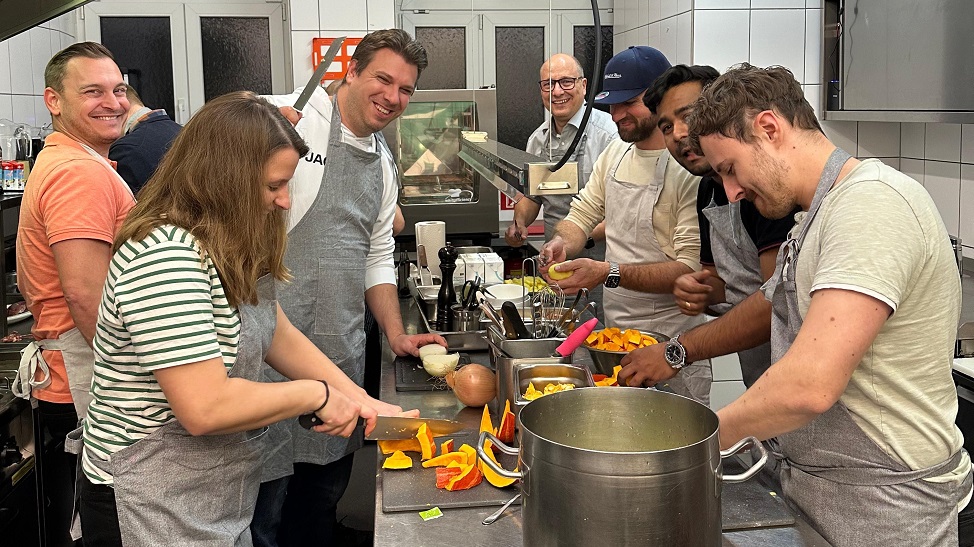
[
  {"x": 173, "y": 487},
  {"x": 739, "y": 265},
  {"x": 556, "y": 208},
  {"x": 326, "y": 254},
  {"x": 851, "y": 491},
  {"x": 631, "y": 239},
  {"x": 79, "y": 361}
]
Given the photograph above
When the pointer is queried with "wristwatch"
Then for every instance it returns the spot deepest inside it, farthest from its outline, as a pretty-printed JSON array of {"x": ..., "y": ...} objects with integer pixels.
[
  {"x": 675, "y": 353},
  {"x": 612, "y": 280}
]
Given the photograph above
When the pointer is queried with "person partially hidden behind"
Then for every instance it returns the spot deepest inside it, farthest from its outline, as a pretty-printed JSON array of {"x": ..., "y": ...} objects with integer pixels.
[{"x": 146, "y": 137}]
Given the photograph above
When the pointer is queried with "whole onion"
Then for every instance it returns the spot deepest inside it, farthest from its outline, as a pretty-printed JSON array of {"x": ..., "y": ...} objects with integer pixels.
[{"x": 473, "y": 384}]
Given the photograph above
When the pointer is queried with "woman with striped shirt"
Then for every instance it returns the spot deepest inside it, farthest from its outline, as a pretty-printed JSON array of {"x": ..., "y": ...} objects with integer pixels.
[{"x": 173, "y": 437}]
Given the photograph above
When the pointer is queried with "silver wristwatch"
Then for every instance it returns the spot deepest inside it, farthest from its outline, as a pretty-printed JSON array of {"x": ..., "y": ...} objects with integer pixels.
[
  {"x": 675, "y": 353},
  {"x": 612, "y": 280}
]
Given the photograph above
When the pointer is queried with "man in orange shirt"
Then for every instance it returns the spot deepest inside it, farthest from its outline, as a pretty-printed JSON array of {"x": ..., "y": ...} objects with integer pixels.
[{"x": 73, "y": 205}]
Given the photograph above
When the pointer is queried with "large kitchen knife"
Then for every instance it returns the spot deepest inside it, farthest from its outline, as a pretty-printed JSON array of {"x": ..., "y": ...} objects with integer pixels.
[
  {"x": 315, "y": 80},
  {"x": 395, "y": 427}
]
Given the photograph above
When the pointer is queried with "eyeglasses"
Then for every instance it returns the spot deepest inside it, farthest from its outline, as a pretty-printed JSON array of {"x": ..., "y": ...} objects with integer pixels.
[{"x": 567, "y": 84}]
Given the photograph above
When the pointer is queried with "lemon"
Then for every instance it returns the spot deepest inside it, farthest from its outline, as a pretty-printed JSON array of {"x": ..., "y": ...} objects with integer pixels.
[{"x": 557, "y": 275}]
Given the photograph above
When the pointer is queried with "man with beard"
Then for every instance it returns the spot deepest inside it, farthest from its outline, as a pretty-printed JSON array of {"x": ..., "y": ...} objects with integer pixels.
[
  {"x": 860, "y": 396},
  {"x": 738, "y": 247},
  {"x": 648, "y": 203}
]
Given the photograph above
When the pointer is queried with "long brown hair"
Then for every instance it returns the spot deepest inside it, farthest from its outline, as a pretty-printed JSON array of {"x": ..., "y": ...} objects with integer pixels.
[{"x": 210, "y": 183}]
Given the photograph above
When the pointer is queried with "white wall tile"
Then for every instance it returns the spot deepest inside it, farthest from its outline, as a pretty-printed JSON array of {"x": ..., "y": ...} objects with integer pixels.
[
  {"x": 640, "y": 36},
  {"x": 892, "y": 162},
  {"x": 382, "y": 14},
  {"x": 348, "y": 14},
  {"x": 4, "y": 67},
  {"x": 684, "y": 5},
  {"x": 69, "y": 23},
  {"x": 725, "y": 393},
  {"x": 22, "y": 109},
  {"x": 813, "y": 94},
  {"x": 942, "y": 181},
  {"x": 642, "y": 14},
  {"x": 722, "y": 4},
  {"x": 843, "y": 135},
  {"x": 942, "y": 142},
  {"x": 668, "y": 39},
  {"x": 684, "y": 38},
  {"x": 720, "y": 37},
  {"x": 967, "y": 144},
  {"x": 302, "y": 66},
  {"x": 653, "y": 37},
  {"x": 621, "y": 41},
  {"x": 912, "y": 136},
  {"x": 813, "y": 46},
  {"x": 304, "y": 15},
  {"x": 668, "y": 8},
  {"x": 21, "y": 80},
  {"x": 779, "y": 39},
  {"x": 967, "y": 206},
  {"x": 624, "y": 20},
  {"x": 40, "y": 54},
  {"x": 7, "y": 111},
  {"x": 726, "y": 367},
  {"x": 41, "y": 114},
  {"x": 55, "y": 42},
  {"x": 879, "y": 140},
  {"x": 765, "y": 4},
  {"x": 813, "y": 4},
  {"x": 912, "y": 168}
]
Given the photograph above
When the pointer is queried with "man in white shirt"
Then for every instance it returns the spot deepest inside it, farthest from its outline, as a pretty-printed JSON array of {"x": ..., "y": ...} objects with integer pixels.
[{"x": 340, "y": 251}]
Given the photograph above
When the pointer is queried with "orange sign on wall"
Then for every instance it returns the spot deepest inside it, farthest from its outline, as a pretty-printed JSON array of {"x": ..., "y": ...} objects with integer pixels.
[{"x": 340, "y": 65}]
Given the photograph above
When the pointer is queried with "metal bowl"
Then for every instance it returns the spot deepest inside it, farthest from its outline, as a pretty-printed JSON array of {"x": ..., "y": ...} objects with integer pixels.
[{"x": 604, "y": 361}]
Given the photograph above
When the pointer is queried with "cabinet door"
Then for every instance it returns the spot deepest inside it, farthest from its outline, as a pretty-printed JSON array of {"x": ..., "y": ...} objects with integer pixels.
[
  {"x": 453, "y": 46},
  {"x": 578, "y": 34},
  {"x": 149, "y": 45}
]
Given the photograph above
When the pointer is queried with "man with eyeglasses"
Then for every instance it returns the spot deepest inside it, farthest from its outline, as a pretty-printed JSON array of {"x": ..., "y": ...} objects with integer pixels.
[
  {"x": 563, "y": 89},
  {"x": 649, "y": 204}
]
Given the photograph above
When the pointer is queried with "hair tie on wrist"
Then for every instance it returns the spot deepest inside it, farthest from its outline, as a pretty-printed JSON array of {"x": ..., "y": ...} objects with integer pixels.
[{"x": 327, "y": 396}]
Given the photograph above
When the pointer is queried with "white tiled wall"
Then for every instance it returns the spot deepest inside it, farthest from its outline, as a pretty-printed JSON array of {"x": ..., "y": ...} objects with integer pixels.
[
  {"x": 22, "y": 61},
  {"x": 328, "y": 18}
]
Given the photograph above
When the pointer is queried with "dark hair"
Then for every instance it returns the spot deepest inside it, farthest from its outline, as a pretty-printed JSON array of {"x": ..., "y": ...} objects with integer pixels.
[
  {"x": 218, "y": 196},
  {"x": 56, "y": 67},
  {"x": 678, "y": 75},
  {"x": 398, "y": 40},
  {"x": 727, "y": 105}
]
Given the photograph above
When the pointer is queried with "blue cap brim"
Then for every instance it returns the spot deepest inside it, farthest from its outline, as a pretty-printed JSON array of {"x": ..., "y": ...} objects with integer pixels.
[{"x": 617, "y": 96}]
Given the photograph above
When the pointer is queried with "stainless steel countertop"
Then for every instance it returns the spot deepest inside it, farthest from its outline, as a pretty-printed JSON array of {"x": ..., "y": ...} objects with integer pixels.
[{"x": 464, "y": 526}]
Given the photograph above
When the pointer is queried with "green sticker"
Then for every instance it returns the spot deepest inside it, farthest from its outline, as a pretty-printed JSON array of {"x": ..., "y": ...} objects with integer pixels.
[{"x": 431, "y": 513}]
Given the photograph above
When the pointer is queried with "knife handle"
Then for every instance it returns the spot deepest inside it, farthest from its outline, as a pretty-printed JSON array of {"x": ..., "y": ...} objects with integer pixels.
[{"x": 308, "y": 421}]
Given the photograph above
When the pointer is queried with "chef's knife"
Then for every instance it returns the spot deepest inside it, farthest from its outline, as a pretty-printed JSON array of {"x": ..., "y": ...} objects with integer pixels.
[
  {"x": 397, "y": 428},
  {"x": 511, "y": 315},
  {"x": 315, "y": 80}
]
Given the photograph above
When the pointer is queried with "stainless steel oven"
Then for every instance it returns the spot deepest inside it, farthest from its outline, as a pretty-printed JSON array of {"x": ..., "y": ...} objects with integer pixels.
[{"x": 433, "y": 183}]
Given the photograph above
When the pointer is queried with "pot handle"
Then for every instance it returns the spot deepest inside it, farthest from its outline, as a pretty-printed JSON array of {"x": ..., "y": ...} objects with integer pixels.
[
  {"x": 489, "y": 462},
  {"x": 758, "y": 465}
]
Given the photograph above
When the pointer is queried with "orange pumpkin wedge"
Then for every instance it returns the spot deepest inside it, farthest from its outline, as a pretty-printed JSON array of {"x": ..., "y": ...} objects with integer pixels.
[
  {"x": 505, "y": 431},
  {"x": 471, "y": 453},
  {"x": 485, "y": 423},
  {"x": 446, "y": 446},
  {"x": 405, "y": 445},
  {"x": 469, "y": 477},
  {"x": 491, "y": 476},
  {"x": 444, "y": 459},
  {"x": 445, "y": 474},
  {"x": 398, "y": 460},
  {"x": 426, "y": 443}
]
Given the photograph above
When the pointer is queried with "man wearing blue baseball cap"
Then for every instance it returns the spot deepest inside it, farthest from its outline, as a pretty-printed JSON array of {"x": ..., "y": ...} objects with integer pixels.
[{"x": 648, "y": 202}]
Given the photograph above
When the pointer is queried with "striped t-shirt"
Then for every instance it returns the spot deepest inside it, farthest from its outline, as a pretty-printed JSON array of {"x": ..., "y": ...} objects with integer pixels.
[{"x": 163, "y": 306}]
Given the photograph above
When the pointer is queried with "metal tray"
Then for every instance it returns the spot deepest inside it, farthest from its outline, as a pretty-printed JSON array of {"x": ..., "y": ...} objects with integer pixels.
[
  {"x": 550, "y": 371},
  {"x": 474, "y": 340}
]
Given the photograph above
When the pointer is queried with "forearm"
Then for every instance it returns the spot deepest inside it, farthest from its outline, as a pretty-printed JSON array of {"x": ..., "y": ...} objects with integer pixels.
[
  {"x": 747, "y": 325},
  {"x": 573, "y": 236},
  {"x": 598, "y": 234},
  {"x": 657, "y": 277},
  {"x": 383, "y": 301},
  {"x": 83, "y": 306},
  {"x": 526, "y": 211},
  {"x": 242, "y": 405}
]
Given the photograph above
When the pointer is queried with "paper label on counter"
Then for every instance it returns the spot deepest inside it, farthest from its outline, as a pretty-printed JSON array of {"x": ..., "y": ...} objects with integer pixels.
[
  {"x": 493, "y": 266},
  {"x": 431, "y": 514}
]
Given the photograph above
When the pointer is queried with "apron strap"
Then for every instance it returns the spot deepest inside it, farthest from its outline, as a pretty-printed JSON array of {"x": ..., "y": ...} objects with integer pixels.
[
  {"x": 32, "y": 360},
  {"x": 874, "y": 476}
]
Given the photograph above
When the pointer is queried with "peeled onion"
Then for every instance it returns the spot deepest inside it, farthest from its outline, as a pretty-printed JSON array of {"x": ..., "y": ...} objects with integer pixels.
[
  {"x": 440, "y": 365},
  {"x": 473, "y": 384},
  {"x": 431, "y": 349}
]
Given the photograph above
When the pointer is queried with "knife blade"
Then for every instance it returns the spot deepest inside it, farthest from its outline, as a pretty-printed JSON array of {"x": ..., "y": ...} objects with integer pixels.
[
  {"x": 315, "y": 80},
  {"x": 397, "y": 427}
]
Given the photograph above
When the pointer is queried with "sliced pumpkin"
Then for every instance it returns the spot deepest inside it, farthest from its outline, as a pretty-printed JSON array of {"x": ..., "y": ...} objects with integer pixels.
[
  {"x": 471, "y": 453},
  {"x": 444, "y": 474},
  {"x": 446, "y": 446},
  {"x": 398, "y": 460},
  {"x": 610, "y": 380},
  {"x": 469, "y": 477},
  {"x": 505, "y": 431},
  {"x": 444, "y": 459},
  {"x": 404, "y": 445},
  {"x": 491, "y": 476},
  {"x": 485, "y": 423},
  {"x": 427, "y": 446}
]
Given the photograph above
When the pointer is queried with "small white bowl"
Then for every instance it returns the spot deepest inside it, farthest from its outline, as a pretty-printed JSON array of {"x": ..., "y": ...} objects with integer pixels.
[{"x": 501, "y": 293}]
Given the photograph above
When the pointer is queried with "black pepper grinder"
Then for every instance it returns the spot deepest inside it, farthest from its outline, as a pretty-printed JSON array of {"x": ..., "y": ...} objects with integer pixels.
[
  {"x": 447, "y": 295},
  {"x": 403, "y": 272}
]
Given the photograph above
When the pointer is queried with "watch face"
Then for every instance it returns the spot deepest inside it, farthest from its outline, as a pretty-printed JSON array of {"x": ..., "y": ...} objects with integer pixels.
[
  {"x": 674, "y": 354},
  {"x": 612, "y": 281}
]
